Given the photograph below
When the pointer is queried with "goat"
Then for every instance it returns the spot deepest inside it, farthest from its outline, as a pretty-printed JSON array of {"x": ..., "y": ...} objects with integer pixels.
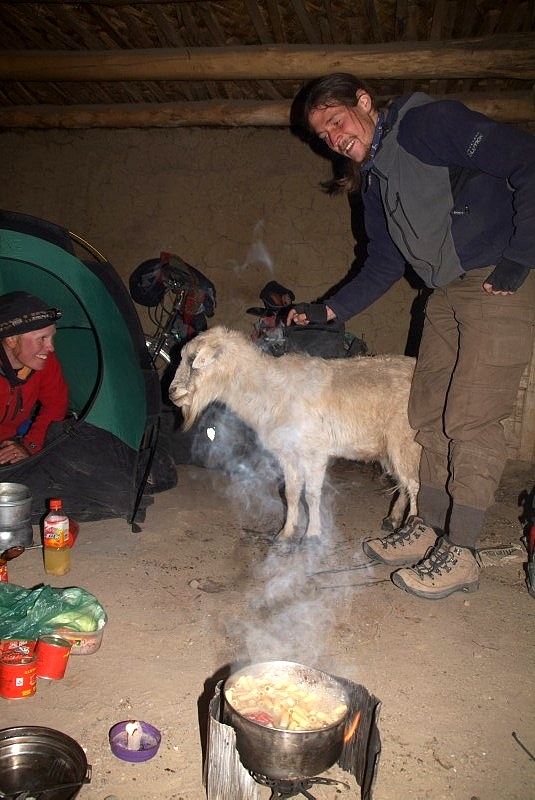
[{"x": 306, "y": 410}]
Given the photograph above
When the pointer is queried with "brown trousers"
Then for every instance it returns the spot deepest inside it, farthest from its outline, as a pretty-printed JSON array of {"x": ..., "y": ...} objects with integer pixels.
[{"x": 473, "y": 352}]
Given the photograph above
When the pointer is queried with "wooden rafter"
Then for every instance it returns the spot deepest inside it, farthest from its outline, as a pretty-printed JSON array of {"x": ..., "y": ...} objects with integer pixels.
[
  {"x": 493, "y": 57},
  {"x": 518, "y": 107}
]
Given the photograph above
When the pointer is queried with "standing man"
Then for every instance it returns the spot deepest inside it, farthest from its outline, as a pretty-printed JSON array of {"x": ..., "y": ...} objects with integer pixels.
[
  {"x": 451, "y": 192},
  {"x": 33, "y": 391}
]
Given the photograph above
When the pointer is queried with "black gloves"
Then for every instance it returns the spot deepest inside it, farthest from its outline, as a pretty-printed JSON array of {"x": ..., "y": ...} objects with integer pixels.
[
  {"x": 315, "y": 312},
  {"x": 508, "y": 276}
]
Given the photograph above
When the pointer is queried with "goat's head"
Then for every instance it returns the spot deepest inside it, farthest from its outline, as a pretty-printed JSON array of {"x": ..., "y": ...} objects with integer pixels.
[{"x": 199, "y": 377}]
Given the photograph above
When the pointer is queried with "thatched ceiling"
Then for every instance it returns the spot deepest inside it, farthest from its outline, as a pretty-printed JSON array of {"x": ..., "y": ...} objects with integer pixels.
[{"x": 231, "y": 62}]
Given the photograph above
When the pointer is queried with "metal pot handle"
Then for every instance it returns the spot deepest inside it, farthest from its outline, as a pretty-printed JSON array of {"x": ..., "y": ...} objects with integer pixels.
[{"x": 42, "y": 794}]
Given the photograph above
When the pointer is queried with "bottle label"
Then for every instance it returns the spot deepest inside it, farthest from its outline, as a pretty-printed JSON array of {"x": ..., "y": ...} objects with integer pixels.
[{"x": 56, "y": 534}]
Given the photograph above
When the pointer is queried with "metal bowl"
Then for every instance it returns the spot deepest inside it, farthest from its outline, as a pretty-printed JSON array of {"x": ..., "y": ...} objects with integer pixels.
[
  {"x": 286, "y": 754},
  {"x": 37, "y": 761}
]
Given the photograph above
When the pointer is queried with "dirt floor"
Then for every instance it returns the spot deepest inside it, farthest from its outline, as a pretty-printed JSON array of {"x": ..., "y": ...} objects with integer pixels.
[{"x": 200, "y": 589}]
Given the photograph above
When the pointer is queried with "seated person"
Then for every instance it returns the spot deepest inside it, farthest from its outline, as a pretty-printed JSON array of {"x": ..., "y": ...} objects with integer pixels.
[{"x": 33, "y": 391}]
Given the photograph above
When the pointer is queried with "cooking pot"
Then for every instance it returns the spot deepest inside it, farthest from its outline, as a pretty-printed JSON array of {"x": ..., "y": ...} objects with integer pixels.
[
  {"x": 36, "y": 761},
  {"x": 15, "y": 516},
  {"x": 286, "y": 754}
]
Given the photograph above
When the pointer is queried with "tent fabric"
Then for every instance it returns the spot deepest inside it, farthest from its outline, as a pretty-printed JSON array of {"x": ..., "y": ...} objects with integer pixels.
[
  {"x": 88, "y": 467},
  {"x": 114, "y": 393},
  {"x": 91, "y": 327}
]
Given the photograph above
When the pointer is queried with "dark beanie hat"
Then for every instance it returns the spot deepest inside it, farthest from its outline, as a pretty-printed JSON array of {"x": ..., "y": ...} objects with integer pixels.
[{"x": 21, "y": 312}]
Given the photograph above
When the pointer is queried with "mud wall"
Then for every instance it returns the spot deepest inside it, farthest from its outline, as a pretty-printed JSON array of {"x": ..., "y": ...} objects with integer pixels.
[{"x": 243, "y": 206}]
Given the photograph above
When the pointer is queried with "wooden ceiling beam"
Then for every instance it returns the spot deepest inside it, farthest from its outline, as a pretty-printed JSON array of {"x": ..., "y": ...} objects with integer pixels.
[
  {"x": 490, "y": 57},
  {"x": 512, "y": 107}
]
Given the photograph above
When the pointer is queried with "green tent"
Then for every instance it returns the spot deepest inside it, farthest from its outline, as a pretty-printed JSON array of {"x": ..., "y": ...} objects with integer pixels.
[{"x": 100, "y": 461}]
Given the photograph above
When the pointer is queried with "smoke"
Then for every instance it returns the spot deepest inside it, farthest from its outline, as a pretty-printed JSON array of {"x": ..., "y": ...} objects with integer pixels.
[
  {"x": 288, "y": 619},
  {"x": 224, "y": 442},
  {"x": 257, "y": 253},
  {"x": 289, "y": 616},
  {"x": 293, "y": 595}
]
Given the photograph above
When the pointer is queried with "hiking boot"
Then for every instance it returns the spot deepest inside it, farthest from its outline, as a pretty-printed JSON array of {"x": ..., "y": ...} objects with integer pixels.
[
  {"x": 448, "y": 568},
  {"x": 408, "y": 545}
]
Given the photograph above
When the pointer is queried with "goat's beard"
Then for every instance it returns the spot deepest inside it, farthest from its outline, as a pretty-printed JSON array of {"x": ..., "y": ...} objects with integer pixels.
[{"x": 189, "y": 415}]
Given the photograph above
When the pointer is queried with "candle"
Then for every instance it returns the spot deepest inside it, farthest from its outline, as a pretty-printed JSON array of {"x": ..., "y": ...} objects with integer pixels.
[
  {"x": 133, "y": 736},
  {"x": 134, "y": 740}
]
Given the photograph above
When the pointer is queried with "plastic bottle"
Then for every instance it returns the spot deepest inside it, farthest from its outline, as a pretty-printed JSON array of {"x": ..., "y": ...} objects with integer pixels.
[{"x": 56, "y": 551}]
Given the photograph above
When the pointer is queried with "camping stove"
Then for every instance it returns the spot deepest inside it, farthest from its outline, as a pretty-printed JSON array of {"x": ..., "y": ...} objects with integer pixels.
[
  {"x": 226, "y": 778},
  {"x": 283, "y": 789}
]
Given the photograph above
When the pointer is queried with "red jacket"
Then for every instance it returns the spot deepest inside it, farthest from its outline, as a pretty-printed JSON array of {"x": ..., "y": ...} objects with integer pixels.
[{"x": 46, "y": 387}]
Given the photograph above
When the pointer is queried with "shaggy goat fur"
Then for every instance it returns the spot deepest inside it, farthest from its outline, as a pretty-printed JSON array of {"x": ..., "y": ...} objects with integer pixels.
[{"x": 306, "y": 410}]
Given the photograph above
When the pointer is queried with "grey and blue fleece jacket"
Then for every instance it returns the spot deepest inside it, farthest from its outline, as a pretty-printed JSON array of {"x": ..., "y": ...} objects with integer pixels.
[{"x": 448, "y": 190}]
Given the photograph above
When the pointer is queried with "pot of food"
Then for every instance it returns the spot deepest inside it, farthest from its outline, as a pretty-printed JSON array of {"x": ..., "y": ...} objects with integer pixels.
[
  {"x": 289, "y": 719},
  {"x": 15, "y": 515},
  {"x": 38, "y": 762}
]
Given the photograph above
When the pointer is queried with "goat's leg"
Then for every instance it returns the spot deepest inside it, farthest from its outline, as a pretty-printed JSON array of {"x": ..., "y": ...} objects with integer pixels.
[
  {"x": 407, "y": 495},
  {"x": 395, "y": 517},
  {"x": 413, "y": 488},
  {"x": 314, "y": 478},
  {"x": 293, "y": 485},
  {"x": 403, "y": 464}
]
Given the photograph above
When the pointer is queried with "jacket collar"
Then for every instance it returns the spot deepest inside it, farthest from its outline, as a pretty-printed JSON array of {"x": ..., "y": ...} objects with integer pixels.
[{"x": 14, "y": 377}]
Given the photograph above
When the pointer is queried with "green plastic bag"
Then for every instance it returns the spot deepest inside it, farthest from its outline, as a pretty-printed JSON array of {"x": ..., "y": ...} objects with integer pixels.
[{"x": 30, "y": 613}]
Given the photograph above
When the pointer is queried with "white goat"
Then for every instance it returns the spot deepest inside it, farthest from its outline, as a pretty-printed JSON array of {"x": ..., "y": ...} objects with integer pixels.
[{"x": 306, "y": 410}]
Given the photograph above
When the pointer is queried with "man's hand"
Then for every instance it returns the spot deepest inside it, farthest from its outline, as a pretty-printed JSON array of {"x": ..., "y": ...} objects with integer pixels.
[
  {"x": 304, "y": 313},
  {"x": 508, "y": 276},
  {"x": 489, "y": 288},
  {"x": 11, "y": 452}
]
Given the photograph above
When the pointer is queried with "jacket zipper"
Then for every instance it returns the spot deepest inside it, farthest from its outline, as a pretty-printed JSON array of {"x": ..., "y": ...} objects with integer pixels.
[{"x": 391, "y": 212}]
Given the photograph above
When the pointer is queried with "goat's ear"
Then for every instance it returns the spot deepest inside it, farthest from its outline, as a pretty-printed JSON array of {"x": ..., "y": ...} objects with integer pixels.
[{"x": 204, "y": 357}]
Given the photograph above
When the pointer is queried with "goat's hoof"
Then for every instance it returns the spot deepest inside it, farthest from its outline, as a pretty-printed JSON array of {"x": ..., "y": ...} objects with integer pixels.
[
  {"x": 284, "y": 547},
  {"x": 313, "y": 544},
  {"x": 388, "y": 526}
]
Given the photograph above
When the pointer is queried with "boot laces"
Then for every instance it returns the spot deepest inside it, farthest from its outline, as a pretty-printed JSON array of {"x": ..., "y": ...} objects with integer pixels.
[
  {"x": 405, "y": 535},
  {"x": 441, "y": 558}
]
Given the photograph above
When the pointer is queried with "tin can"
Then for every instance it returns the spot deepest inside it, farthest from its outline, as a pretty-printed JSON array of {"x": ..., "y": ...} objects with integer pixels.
[
  {"x": 52, "y": 654},
  {"x": 3, "y": 571},
  {"x": 18, "y": 673},
  {"x": 25, "y": 647}
]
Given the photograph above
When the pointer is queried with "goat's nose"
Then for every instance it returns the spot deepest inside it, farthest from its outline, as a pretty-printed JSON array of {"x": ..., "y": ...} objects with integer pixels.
[{"x": 176, "y": 391}]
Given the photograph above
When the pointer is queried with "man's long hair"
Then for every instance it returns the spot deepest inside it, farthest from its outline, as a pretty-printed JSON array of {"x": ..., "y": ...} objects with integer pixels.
[{"x": 338, "y": 88}]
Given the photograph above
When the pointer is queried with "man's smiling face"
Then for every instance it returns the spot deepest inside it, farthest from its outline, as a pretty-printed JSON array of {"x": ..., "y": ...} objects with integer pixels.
[{"x": 348, "y": 130}]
